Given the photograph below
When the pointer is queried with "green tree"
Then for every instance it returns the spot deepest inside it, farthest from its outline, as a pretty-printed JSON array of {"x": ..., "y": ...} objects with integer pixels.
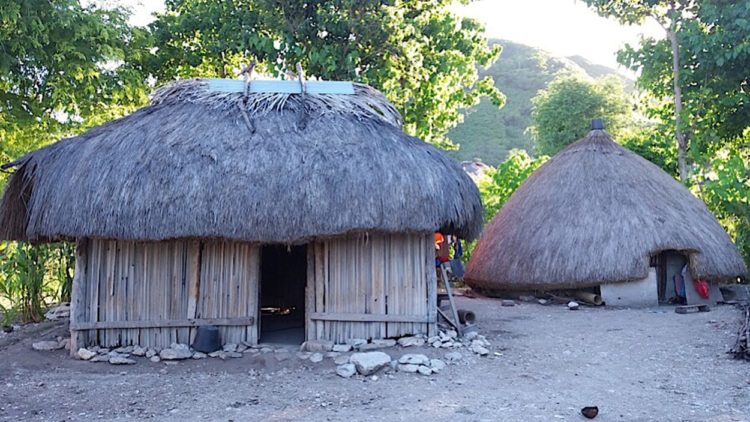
[
  {"x": 562, "y": 113},
  {"x": 62, "y": 69},
  {"x": 670, "y": 15},
  {"x": 505, "y": 179},
  {"x": 422, "y": 56}
]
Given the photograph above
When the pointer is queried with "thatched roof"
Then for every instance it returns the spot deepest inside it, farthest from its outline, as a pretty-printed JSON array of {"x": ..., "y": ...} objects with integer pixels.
[
  {"x": 287, "y": 169},
  {"x": 594, "y": 214}
]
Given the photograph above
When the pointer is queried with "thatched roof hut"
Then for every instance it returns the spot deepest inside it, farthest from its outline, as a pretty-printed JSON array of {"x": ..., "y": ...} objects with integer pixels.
[
  {"x": 594, "y": 214},
  {"x": 188, "y": 166},
  {"x": 180, "y": 203}
]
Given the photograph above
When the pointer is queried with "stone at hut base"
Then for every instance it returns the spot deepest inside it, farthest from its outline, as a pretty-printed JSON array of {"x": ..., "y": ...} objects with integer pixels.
[
  {"x": 572, "y": 305},
  {"x": 304, "y": 355},
  {"x": 85, "y": 354},
  {"x": 341, "y": 360},
  {"x": 408, "y": 367},
  {"x": 424, "y": 370},
  {"x": 414, "y": 359},
  {"x": 199, "y": 355},
  {"x": 508, "y": 302},
  {"x": 176, "y": 352},
  {"x": 346, "y": 370},
  {"x": 121, "y": 360},
  {"x": 230, "y": 347},
  {"x": 139, "y": 351},
  {"x": 316, "y": 357},
  {"x": 100, "y": 358},
  {"x": 342, "y": 348},
  {"x": 411, "y": 341},
  {"x": 155, "y": 359},
  {"x": 370, "y": 362},
  {"x": 319, "y": 346}
]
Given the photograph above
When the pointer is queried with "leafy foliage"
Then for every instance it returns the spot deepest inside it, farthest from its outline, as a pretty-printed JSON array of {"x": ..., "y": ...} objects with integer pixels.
[
  {"x": 505, "y": 179},
  {"x": 563, "y": 112},
  {"x": 61, "y": 71},
  {"x": 31, "y": 276},
  {"x": 725, "y": 187},
  {"x": 418, "y": 53}
]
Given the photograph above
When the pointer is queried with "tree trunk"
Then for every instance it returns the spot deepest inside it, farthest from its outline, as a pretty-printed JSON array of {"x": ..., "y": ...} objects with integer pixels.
[{"x": 680, "y": 135}]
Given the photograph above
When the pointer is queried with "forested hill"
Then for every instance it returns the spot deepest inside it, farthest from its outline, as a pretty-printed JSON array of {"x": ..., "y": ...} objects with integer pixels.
[{"x": 488, "y": 133}]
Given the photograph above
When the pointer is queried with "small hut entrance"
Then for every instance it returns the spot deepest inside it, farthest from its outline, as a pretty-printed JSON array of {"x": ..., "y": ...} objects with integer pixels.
[
  {"x": 668, "y": 265},
  {"x": 283, "y": 276}
]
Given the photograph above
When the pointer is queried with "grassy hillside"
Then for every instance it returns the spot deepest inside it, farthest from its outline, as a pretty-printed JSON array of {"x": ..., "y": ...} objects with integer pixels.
[{"x": 488, "y": 133}]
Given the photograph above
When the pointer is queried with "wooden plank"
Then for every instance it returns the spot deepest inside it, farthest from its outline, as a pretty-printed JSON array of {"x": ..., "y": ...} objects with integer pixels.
[
  {"x": 282, "y": 87},
  {"x": 224, "y": 322},
  {"x": 78, "y": 297},
  {"x": 448, "y": 289},
  {"x": 310, "y": 292},
  {"x": 193, "y": 277},
  {"x": 321, "y": 249},
  {"x": 431, "y": 279},
  {"x": 356, "y": 317}
]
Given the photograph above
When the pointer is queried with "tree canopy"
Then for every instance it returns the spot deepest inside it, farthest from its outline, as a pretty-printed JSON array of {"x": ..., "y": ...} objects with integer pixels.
[
  {"x": 61, "y": 67},
  {"x": 563, "y": 112},
  {"x": 422, "y": 56}
]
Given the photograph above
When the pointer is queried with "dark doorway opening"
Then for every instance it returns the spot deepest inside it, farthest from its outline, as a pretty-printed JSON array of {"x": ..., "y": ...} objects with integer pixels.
[
  {"x": 669, "y": 265},
  {"x": 283, "y": 277}
]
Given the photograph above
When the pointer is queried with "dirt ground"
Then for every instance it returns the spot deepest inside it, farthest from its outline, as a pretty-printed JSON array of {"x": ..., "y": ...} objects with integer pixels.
[{"x": 546, "y": 362}]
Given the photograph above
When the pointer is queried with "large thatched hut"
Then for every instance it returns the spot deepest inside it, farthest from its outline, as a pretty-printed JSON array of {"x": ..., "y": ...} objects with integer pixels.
[
  {"x": 597, "y": 215},
  {"x": 259, "y": 210}
]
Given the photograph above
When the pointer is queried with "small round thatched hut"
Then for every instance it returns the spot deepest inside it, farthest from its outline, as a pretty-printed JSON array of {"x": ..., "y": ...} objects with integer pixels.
[
  {"x": 597, "y": 214},
  {"x": 259, "y": 212}
]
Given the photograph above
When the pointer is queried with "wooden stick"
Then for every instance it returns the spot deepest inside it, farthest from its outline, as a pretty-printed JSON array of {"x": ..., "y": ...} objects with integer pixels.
[
  {"x": 357, "y": 317},
  {"x": 228, "y": 322},
  {"x": 450, "y": 298}
]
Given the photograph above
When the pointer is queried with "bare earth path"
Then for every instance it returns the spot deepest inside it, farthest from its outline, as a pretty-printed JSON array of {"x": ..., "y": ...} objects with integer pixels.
[{"x": 546, "y": 363}]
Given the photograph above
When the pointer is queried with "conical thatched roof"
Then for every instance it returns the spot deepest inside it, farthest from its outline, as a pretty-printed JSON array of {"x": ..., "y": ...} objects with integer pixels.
[
  {"x": 594, "y": 214},
  {"x": 193, "y": 164}
]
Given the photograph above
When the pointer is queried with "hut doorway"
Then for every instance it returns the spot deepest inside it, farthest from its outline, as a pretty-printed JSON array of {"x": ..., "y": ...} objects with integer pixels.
[
  {"x": 283, "y": 277},
  {"x": 668, "y": 265}
]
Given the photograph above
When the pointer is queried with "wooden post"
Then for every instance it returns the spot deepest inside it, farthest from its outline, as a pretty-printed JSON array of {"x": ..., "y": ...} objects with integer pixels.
[
  {"x": 78, "y": 297},
  {"x": 450, "y": 298},
  {"x": 193, "y": 277}
]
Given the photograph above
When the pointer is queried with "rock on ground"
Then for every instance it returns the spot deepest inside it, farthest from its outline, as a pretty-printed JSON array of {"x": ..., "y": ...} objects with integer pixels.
[
  {"x": 47, "y": 345},
  {"x": 369, "y": 362},
  {"x": 316, "y": 357},
  {"x": 411, "y": 341},
  {"x": 414, "y": 359},
  {"x": 121, "y": 360},
  {"x": 85, "y": 354},
  {"x": 346, "y": 370},
  {"x": 176, "y": 352},
  {"x": 319, "y": 346}
]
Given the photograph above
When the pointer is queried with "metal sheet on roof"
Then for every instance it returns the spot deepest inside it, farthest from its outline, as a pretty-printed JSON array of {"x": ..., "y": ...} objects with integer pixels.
[{"x": 284, "y": 87}]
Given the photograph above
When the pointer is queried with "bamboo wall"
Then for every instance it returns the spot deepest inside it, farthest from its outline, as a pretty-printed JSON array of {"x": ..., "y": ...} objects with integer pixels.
[
  {"x": 156, "y": 293},
  {"x": 375, "y": 286}
]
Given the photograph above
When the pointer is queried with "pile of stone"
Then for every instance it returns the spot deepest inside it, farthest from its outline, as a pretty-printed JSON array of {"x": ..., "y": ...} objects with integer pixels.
[
  {"x": 175, "y": 352},
  {"x": 449, "y": 339},
  {"x": 369, "y": 363}
]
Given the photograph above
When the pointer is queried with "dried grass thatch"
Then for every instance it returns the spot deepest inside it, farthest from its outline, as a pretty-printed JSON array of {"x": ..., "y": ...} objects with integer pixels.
[
  {"x": 269, "y": 167},
  {"x": 594, "y": 214}
]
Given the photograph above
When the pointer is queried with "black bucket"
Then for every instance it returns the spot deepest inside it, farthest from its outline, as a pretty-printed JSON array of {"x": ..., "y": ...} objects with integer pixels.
[{"x": 207, "y": 339}]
